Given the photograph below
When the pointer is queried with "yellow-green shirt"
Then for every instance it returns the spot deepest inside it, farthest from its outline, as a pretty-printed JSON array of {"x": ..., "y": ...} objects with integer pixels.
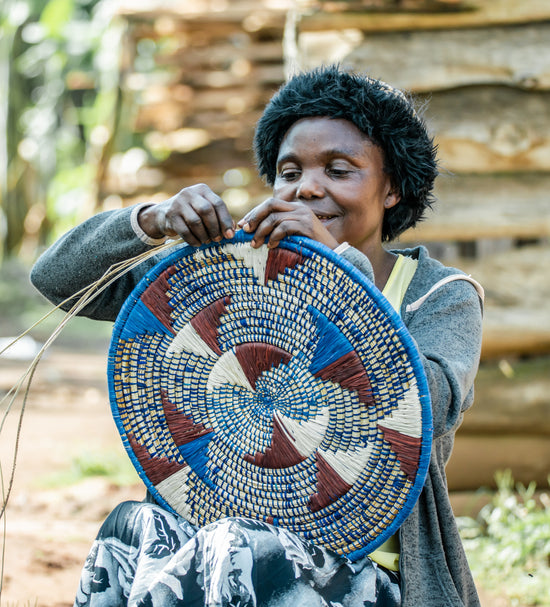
[
  {"x": 387, "y": 555},
  {"x": 399, "y": 280}
]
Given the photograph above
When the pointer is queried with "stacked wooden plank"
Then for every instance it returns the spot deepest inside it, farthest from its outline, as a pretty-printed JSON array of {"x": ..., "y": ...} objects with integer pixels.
[
  {"x": 195, "y": 78},
  {"x": 483, "y": 68}
]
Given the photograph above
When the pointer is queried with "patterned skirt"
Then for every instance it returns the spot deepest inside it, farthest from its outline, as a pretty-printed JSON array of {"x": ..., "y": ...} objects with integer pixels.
[{"x": 145, "y": 556}]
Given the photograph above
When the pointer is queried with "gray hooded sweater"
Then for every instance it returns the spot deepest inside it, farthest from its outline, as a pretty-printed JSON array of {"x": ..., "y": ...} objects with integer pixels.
[{"x": 442, "y": 310}]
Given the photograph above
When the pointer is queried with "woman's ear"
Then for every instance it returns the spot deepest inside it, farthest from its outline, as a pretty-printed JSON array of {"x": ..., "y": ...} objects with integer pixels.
[{"x": 392, "y": 198}]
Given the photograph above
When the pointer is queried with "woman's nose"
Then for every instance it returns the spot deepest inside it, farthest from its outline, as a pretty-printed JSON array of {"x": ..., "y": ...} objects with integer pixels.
[{"x": 309, "y": 187}]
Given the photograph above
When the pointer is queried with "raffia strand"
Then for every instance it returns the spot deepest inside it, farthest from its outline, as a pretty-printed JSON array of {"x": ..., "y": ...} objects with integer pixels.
[{"x": 85, "y": 296}]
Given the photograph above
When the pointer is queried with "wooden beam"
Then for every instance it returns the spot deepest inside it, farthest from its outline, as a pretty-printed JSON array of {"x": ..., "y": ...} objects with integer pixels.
[
  {"x": 511, "y": 397},
  {"x": 258, "y": 12},
  {"x": 491, "y": 129},
  {"x": 473, "y": 207},
  {"x": 424, "y": 61},
  {"x": 193, "y": 57},
  {"x": 423, "y": 6},
  {"x": 482, "y": 14},
  {"x": 477, "y": 458},
  {"x": 271, "y": 75},
  {"x": 517, "y": 301},
  {"x": 501, "y": 339}
]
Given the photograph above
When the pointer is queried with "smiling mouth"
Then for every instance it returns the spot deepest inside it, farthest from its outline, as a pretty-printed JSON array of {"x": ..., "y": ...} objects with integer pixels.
[{"x": 325, "y": 217}]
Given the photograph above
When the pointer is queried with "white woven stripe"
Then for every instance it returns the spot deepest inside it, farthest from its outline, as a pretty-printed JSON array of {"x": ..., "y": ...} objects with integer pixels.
[
  {"x": 175, "y": 490},
  {"x": 349, "y": 465},
  {"x": 227, "y": 370},
  {"x": 406, "y": 418},
  {"x": 188, "y": 340},
  {"x": 307, "y": 435},
  {"x": 255, "y": 259}
]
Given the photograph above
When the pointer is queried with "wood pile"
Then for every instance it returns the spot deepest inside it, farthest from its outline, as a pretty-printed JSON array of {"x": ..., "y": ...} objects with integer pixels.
[
  {"x": 195, "y": 78},
  {"x": 197, "y": 75}
]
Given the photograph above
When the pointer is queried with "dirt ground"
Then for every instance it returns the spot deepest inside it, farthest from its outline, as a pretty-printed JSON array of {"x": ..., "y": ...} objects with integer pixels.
[{"x": 49, "y": 531}]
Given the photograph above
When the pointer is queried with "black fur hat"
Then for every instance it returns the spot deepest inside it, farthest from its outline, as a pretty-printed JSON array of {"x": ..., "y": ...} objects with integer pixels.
[{"x": 383, "y": 113}]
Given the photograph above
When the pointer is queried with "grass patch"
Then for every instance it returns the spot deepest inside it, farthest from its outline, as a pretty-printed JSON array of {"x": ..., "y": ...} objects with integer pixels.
[
  {"x": 113, "y": 466},
  {"x": 508, "y": 544}
]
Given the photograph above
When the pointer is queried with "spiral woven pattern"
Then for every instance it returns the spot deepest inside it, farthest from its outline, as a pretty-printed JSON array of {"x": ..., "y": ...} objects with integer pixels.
[{"x": 277, "y": 385}]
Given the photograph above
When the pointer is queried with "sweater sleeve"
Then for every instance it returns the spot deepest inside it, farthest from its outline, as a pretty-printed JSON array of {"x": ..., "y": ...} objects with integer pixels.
[
  {"x": 84, "y": 254},
  {"x": 447, "y": 329}
]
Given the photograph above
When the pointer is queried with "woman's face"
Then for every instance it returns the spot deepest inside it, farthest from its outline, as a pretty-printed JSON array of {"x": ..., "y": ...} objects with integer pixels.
[{"x": 331, "y": 166}]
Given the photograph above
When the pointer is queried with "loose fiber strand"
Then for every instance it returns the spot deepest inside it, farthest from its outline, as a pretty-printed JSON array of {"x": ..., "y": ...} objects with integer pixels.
[
  {"x": 4, "y": 534},
  {"x": 86, "y": 295}
]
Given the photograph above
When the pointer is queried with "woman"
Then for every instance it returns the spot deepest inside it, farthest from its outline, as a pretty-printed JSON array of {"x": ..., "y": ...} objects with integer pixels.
[{"x": 351, "y": 165}]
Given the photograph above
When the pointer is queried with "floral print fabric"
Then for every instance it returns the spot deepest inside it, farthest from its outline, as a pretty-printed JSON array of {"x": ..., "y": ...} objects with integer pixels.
[{"x": 145, "y": 556}]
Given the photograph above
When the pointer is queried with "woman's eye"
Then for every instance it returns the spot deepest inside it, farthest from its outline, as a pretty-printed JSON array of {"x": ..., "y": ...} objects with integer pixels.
[
  {"x": 289, "y": 174},
  {"x": 335, "y": 172}
]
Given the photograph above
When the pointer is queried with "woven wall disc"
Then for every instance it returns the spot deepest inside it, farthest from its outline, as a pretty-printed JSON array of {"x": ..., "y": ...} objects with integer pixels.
[{"x": 276, "y": 385}]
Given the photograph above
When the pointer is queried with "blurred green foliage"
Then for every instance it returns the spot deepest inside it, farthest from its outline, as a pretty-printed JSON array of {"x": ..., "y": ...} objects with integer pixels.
[
  {"x": 115, "y": 466},
  {"x": 508, "y": 544},
  {"x": 59, "y": 86}
]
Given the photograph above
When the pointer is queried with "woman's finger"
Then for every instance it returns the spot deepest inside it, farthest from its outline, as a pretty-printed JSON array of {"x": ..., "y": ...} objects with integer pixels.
[
  {"x": 185, "y": 222},
  {"x": 215, "y": 216},
  {"x": 278, "y": 225},
  {"x": 225, "y": 222},
  {"x": 196, "y": 214},
  {"x": 251, "y": 221}
]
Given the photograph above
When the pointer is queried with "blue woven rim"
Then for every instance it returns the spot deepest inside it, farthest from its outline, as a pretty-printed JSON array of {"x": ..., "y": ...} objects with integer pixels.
[{"x": 331, "y": 515}]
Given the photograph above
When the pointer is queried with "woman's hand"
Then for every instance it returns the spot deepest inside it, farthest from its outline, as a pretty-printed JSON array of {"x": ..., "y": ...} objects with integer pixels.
[
  {"x": 275, "y": 219},
  {"x": 195, "y": 214}
]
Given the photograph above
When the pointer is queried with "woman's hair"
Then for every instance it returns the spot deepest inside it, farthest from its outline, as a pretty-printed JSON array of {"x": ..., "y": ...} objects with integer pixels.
[{"x": 384, "y": 114}]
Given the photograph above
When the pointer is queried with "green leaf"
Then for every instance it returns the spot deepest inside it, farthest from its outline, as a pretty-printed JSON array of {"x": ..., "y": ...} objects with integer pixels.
[{"x": 56, "y": 14}]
